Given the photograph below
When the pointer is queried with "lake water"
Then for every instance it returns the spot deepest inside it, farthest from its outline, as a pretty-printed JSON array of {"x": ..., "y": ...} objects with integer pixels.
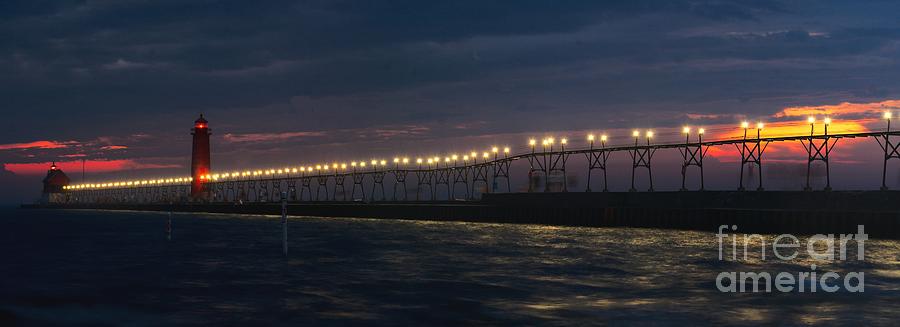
[{"x": 119, "y": 268}]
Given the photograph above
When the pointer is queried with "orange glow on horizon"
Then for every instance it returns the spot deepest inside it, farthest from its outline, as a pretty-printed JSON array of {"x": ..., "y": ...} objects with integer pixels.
[
  {"x": 841, "y": 109},
  {"x": 36, "y": 145},
  {"x": 787, "y": 150}
]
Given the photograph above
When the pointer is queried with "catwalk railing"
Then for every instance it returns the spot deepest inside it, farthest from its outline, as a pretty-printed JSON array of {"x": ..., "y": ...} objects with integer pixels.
[{"x": 465, "y": 178}]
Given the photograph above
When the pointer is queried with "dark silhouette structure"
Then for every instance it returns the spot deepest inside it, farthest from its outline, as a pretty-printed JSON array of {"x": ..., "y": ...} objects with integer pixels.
[{"x": 54, "y": 184}]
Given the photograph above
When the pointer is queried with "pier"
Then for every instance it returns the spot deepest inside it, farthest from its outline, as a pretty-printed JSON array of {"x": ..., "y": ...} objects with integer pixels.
[{"x": 477, "y": 187}]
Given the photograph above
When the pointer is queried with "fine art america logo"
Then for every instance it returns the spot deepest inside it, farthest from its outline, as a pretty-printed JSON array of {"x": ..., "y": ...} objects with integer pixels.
[{"x": 788, "y": 248}]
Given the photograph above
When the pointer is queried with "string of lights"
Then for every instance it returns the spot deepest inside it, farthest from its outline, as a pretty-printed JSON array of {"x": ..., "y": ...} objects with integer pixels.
[{"x": 544, "y": 148}]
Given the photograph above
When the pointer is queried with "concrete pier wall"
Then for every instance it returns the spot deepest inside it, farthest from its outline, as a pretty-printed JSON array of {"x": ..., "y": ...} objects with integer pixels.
[{"x": 752, "y": 212}]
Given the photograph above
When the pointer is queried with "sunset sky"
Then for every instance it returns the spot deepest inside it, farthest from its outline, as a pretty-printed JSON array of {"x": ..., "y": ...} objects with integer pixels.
[{"x": 119, "y": 83}]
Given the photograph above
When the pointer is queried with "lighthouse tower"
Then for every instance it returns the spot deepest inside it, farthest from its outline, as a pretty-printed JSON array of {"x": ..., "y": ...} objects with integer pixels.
[{"x": 199, "y": 155}]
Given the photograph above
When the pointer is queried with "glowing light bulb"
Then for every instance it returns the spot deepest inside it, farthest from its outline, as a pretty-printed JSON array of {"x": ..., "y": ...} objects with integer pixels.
[
  {"x": 701, "y": 131},
  {"x": 454, "y": 157},
  {"x": 396, "y": 160},
  {"x": 635, "y": 133},
  {"x": 887, "y": 115},
  {"x": 760, "y": 125},
  {"x": 590, "y": 137},
  {"x": 405, "y": 160},
  {"x": 827, "y": 121},
  {"x": 686, "y": 130},
  {"x": 603, "y": 137},
  {"x": 532, "y": 142},
  {"x": 810, "y": 119},
  {"x": 418, "y": 160},
  {"x": 745, "y": 124},
  {"x": 649, "y": 134},
  {"x": 564, "y": 141},
  {"x": 494, "y": 149},
  {"x": 506, "y": 150}
]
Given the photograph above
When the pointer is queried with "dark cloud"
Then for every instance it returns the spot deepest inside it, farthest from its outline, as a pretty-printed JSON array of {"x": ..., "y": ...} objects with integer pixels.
[{"x": 78, "y": 70}]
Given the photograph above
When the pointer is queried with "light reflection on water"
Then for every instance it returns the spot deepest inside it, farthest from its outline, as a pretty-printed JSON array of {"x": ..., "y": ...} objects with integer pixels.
[{"x": 117, "y": 268}]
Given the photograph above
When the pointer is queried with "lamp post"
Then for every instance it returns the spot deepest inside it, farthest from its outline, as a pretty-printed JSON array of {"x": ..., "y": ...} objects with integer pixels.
[
  {"x": 649, "y": 154},
  {"x": 745, "y": 125},
  {"x": 637, "y": 135},
  {"x": 590, "y": 156},
  {"x": 685, "y": 153},
  {"x": 700, "y": 133},
  {"x": 887, "y": 154},
  {"x": 549, "y": 146},
  {"x": 811, "y": 120},
  {"x": 759, "y": 128},
  {"x": 827, "y": 122},
  {"x": 531, "y": 143}
]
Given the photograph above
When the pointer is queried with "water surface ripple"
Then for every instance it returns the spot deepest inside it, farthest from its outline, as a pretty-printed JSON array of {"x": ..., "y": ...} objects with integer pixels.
[{"x": 117, "y": 268}]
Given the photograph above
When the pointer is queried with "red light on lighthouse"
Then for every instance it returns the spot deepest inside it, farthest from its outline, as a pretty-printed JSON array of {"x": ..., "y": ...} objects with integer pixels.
[{"x": 199, "y": 155}]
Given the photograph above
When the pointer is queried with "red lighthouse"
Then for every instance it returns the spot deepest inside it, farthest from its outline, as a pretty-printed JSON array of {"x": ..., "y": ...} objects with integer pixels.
[{"x": 199, "y": 156}]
